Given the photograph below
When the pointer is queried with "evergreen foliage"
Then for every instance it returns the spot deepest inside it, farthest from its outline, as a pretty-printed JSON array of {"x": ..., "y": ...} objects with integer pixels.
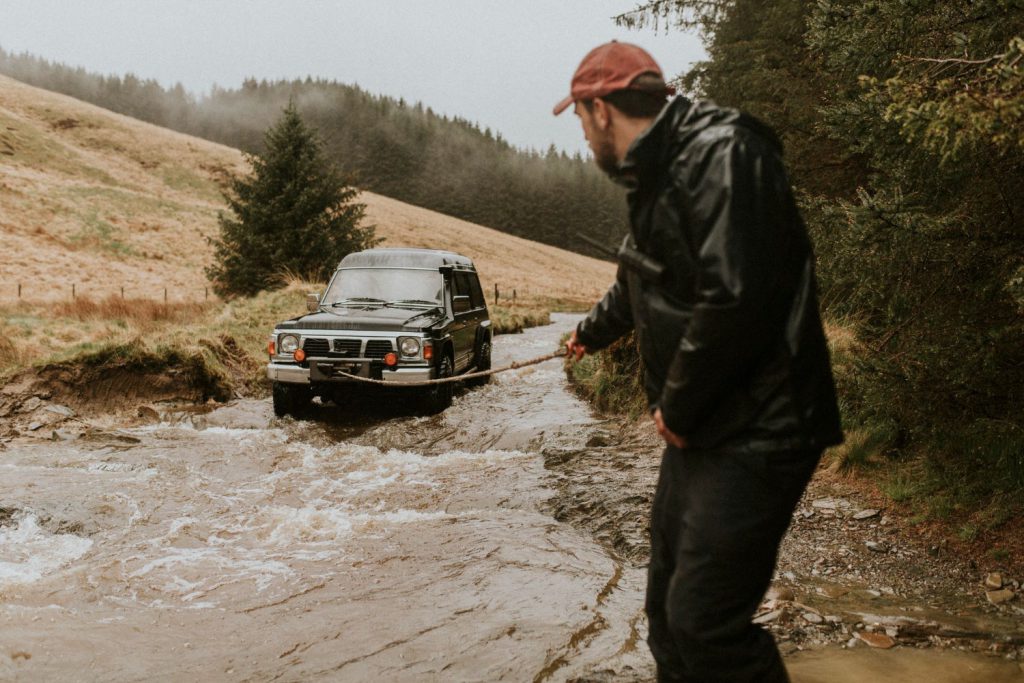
[
  {"x": 401, "y": 150},
  {"x": 904, "y": 128},
  {"x": 295, "y": 214}
]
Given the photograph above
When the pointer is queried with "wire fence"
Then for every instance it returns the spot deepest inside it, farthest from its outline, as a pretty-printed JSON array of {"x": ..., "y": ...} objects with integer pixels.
[
  {"x": 18, "y": 292},
  {"x": 12, "y": 293}
]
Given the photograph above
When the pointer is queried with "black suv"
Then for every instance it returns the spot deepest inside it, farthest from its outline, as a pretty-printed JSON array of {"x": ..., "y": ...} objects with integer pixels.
[{"x": 398, "y": 315}]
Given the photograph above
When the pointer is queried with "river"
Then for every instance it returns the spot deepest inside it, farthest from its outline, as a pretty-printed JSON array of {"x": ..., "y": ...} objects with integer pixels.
[{"x": 365, "y": 543}]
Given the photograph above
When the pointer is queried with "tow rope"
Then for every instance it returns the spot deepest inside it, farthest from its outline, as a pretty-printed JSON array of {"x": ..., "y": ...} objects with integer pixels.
[{"x": 459, "y": 378}]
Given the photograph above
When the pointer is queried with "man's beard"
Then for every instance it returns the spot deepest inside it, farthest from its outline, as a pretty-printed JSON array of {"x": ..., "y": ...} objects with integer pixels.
[{"x": 604, "y": 156}]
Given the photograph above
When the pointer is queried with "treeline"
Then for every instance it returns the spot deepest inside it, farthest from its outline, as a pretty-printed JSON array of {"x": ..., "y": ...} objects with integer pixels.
[
  {"x": 388, "y": 146},
  {"x": 904, "y": 127}
]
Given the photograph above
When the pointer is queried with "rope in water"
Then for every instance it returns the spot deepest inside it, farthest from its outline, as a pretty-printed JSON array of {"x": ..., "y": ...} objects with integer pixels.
[{"x": 459, "y": 378}]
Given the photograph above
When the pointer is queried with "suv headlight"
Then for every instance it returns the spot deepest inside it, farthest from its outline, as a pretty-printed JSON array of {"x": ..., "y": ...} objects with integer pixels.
[
  {"x": 287, "y": 343},
  {"x": 410, "y": 346}
]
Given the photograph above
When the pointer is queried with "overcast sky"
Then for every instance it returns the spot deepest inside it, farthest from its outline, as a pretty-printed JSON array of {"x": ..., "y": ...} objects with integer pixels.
[{"x": 502, "y": 63}]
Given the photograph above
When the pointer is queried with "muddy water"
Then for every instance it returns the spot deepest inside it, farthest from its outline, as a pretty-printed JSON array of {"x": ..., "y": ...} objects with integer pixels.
[
  {"x": 352, "y": 546},
  {"x": 366, "y": 543}
]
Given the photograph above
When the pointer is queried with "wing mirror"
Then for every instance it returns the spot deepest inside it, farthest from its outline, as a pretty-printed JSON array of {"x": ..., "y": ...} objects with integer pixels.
[{"x": 313, "y": 301}]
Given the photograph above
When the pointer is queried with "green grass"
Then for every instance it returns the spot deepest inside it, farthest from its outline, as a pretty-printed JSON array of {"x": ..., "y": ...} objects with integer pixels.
[
  {"x": 611, "y": 379},
  {"x": 514, "y": 319},
  {"x": 100, "y": 235}
]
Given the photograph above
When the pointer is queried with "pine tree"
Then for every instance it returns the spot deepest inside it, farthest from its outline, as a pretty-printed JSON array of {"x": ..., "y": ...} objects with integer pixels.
[{"x": 295, "y": 213}]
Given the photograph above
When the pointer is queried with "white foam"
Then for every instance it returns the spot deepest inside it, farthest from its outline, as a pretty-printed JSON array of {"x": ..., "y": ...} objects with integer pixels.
[{"x": 30, "y": 552}]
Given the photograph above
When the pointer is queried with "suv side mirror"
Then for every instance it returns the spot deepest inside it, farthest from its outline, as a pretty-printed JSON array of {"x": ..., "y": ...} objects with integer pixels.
[
  {"x": 460, "y": 303},
  {"x": 313, "y": 301}
]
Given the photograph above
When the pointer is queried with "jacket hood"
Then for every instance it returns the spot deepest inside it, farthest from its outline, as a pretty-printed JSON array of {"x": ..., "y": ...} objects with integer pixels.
[{"x": 675, "y": 128}]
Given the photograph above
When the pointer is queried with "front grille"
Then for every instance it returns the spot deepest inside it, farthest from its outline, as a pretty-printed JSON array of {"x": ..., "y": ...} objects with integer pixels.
[
  {"x": 316, "y": 347},
  {"x": 347, "y": 348},
  {"x": 377, "y": 348}
]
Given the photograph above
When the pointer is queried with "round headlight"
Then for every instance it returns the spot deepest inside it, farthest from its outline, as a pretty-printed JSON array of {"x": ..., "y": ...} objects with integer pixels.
[
  {"x": 288, "y": 343},
  {"x": 410, "y": 346}
]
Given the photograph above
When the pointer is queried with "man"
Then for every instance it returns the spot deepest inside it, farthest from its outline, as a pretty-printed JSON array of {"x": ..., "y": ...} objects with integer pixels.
[{"x": 717, "y": 280}]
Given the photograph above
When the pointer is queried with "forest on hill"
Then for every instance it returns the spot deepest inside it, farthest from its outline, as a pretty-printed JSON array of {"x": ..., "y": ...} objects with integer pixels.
[
  {"x": 388, "y": 146},
  {"x": 903, "y": 122}
]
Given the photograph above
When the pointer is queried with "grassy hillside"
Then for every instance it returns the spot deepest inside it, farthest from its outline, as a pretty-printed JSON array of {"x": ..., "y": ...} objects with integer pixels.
[
  {"x": 100, "y": 201},
  {"x": 396, "y": 148}
]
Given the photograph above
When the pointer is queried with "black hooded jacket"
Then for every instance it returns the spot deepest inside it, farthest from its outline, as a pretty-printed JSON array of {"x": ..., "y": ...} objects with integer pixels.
[{"x": 730, "y": 336}]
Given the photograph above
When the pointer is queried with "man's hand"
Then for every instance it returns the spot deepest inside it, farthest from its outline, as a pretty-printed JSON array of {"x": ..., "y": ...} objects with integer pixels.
[
  {"x": 573, "y": 349},
  {"x": 671, "y": 438}
]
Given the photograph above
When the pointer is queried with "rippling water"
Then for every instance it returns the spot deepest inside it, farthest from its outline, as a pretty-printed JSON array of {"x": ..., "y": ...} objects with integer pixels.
[{"x": 366, "y": 543}]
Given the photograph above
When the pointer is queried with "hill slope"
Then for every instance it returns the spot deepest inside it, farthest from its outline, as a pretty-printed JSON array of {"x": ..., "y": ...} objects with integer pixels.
[{"x": 102, "y": 201}]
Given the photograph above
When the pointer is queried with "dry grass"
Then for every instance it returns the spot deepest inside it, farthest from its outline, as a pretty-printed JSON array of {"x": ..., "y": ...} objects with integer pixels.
[
  {"x": 141, "y": 312},
  {"x": 103, "y": 201},
  {"x": 122, "y": 210}
]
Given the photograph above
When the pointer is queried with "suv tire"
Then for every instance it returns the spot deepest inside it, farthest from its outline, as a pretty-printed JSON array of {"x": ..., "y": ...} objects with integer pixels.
[
  {"x": 439, "y": 396},
  {"x": 291, "y": 399},
  {"x": 483, "y": 362}
]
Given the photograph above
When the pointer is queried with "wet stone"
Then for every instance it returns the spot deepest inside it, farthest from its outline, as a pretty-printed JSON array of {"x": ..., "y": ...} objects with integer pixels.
[
  {"x": 769, "y": 617},
  {"x": 994, "y": 581},
  {"x": 1000, "y": 596},
  {"x": 63, "y": 435},
  {"x": 60, "y": 410},
  {"x": 830, "y": 504},
  {"x": 879, "y": 640},
  {"x": 148, "y": 413},
  {"x": 31, "y": 404}
]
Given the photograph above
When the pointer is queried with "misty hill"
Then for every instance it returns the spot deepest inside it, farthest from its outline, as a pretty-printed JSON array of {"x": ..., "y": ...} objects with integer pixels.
[
  {"x": 100, "y": 200},
  {"x": 390, "y": 147}
]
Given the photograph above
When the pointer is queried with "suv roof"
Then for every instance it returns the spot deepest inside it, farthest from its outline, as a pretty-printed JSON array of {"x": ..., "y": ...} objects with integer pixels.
[{"x": 404, "y": 258}]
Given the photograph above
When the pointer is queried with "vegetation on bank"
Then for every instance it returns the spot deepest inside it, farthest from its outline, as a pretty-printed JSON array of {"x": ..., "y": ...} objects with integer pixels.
[
  {"x": 217, "y": 348},
  {"x": 401, "y": 150},
  {"x": 903, "y": 123}
]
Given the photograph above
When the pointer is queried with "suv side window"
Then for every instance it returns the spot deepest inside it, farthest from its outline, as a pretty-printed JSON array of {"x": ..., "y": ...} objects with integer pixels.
[
  {"x": 462, "y": 287},
  {"x": 476, "y": 294}
]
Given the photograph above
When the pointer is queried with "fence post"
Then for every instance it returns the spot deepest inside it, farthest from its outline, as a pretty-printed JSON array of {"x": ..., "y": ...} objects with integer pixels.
[
  {"x": 72, "y": 291},
  {"x": 122, "y": 291},
  {"x": 495, "y": 293},
  {"x": 206, "y": 297},
  {"x": 19, "y": 290},
  {"x": 165, "y": 296},
  {"x": 513, "y": 295}
]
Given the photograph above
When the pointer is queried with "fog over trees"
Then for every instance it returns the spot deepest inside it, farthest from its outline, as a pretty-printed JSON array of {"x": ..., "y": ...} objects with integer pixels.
[{"x": 398, "y": 149}]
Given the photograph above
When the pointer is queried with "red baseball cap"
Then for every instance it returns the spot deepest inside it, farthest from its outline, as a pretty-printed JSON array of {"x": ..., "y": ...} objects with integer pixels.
[{"x": 607, "y": 68}]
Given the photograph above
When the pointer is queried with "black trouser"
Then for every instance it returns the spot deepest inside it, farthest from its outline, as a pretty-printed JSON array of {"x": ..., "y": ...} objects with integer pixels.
[{"x": 716, "y": 524}]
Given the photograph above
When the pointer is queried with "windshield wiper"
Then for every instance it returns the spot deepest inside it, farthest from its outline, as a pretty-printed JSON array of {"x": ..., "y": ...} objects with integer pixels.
[
  {"x": 404, "y": 303},
  {"x": 357, "y": 301}
]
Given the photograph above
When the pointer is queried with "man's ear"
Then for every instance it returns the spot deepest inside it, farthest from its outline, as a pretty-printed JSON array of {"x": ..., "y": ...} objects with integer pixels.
[{"x": 601, "y": 113}]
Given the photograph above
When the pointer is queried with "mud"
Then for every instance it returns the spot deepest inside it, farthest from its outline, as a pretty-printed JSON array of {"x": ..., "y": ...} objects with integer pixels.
[{"x": 502, "y": 540}]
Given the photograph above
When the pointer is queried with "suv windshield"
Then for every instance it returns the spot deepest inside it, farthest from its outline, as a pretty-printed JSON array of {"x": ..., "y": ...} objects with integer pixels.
[{"x": 380, "y": 285}]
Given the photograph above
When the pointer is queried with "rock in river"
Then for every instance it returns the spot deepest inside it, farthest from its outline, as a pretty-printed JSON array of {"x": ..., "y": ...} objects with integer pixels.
[
  {"x": 994, "y": 581},
  {"x": 1000, "y": 596},
  {"x": 879, "y": 640}
]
